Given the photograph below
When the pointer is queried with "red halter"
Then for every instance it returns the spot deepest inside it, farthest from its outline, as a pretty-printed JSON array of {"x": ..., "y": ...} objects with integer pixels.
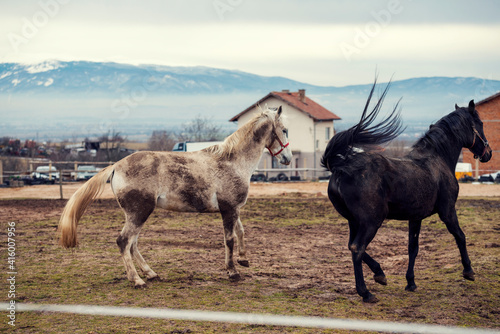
[{"x": 283, "y": 146}]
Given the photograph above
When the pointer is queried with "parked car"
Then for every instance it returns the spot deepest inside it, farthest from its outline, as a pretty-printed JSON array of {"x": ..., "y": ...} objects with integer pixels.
[
  {"x": 490, "y": 178},
  {"x": 32, "y": 181},
  {"x": 467, "y": 178},
  {"x": 44, "y": 172},
  {"x": 258, "y": 178},
  {"x": 85, "y": 172}
]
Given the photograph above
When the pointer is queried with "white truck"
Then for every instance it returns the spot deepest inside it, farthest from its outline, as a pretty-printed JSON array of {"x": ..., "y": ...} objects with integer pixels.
[
  {"x": 187, "y": 146},
  {"x": 463, "y": 170}
]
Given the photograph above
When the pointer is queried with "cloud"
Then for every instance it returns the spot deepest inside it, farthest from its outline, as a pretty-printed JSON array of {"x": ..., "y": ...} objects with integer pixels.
[
  {"x": 317, "y": 41},
  {"x": 290, "y": 11}
]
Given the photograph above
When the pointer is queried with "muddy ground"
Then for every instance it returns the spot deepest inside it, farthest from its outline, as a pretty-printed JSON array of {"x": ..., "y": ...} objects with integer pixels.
[{"x": 297, "y": 250}]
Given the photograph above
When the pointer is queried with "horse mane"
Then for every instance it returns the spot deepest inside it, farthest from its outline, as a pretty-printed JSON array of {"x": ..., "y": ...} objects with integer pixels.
[
  {"x": 365, "y": 135},
  {"x": 450, "y": 126},
  {"x": 235, "y": 141}
]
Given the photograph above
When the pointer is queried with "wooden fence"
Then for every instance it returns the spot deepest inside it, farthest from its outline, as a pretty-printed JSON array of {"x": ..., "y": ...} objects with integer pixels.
[{"x": 56, "y": 171}]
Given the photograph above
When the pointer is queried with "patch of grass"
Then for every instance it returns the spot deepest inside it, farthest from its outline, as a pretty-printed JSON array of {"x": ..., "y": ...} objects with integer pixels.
[{"x": 300, "y": 265}]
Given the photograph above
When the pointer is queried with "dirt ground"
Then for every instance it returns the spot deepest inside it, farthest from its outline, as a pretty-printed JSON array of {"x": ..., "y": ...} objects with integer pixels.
[
  {"x": 256, "y": 189},
  {"x": 297, "y": 249}
]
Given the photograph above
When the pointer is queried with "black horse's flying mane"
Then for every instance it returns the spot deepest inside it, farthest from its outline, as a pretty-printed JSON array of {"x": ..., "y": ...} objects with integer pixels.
[{"x": 363, "y": 135}]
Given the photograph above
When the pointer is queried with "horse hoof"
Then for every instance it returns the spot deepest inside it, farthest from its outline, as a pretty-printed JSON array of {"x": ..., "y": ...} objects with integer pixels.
[
  {"x": 471, "y": 276},
  {"x": 244, "y": 263},
  {"x": 234, "y": 277},
  {"x": 380, "y": 279},
  {"x": 411, "y": 288},
  {"x": 370, "y": 299},
  {"x": 140, "y": 286}
]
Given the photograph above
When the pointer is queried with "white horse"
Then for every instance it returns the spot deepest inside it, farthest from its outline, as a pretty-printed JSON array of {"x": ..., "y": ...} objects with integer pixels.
[{"x": 215, "y": 179}]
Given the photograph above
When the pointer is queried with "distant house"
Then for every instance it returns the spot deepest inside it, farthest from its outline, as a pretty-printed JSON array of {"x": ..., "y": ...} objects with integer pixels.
[
  {"x": 489, "y": 111},
  {"x": 310, "y": 127},
  {"x": 87, "y": 146}
]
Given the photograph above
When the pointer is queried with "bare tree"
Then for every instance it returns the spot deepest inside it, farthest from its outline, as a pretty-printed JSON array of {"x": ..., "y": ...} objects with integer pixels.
[
  {"x": 111, "y": 144},
  {"x": 201, "y": 129},
  {"x": 161, "y": 140}
]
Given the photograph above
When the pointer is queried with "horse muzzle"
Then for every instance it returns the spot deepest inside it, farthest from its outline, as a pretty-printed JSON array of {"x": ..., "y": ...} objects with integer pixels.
[
  {"x": 486, "y": 156},
  {"x": 285, "y": 160}
]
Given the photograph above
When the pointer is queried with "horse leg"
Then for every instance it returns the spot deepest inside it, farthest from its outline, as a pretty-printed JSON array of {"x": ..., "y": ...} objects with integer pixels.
[
  {"x": 137, "y": 207},
  {"x": 379, "y": 275},
  {"x": 360, "y": 281},
  {"x": 242, "y": 252},
  {"x": 359, "y": 238},
  {"x": 146, "y": 269},
  {"x": 125, "y": 241},
  {"x": 451, "y": 221},
  {"x": 413, "y": 233},
  {"x": 229, "y": 219}
]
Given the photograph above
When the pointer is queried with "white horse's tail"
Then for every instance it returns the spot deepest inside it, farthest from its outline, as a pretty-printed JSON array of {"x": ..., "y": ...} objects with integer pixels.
[{"x": 77, "y": 204}]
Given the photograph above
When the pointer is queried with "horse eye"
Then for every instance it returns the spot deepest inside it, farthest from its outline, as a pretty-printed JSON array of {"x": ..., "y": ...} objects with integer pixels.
[{"x": 285, "y": 132}]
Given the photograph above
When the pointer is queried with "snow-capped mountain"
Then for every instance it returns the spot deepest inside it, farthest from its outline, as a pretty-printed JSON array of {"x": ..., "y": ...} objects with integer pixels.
[
  {"x": 85, "y": 98},
  {"x": 81, "y": 77},
  {"x": 112, "y": 78}
]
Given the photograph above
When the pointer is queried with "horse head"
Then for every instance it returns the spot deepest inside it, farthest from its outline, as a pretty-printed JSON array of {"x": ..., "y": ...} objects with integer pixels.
[
  {"x": 478, "y": 143},
  {"x": 278, "y": 144}
]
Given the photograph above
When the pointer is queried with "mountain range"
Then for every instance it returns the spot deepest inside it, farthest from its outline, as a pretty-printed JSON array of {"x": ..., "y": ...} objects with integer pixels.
[{"x": 54, "y": 100}]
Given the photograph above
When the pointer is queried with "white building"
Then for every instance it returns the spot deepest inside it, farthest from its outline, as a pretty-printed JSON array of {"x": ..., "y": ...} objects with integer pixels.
[{"x": 310, "y": 127}]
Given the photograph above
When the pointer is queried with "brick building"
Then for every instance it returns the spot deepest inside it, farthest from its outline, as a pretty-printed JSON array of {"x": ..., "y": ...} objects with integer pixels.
[{"x": 489, "y": 111}]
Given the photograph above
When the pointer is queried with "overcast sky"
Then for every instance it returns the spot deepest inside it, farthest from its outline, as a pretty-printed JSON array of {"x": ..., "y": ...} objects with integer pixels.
[{"x": 322, "y": 42}]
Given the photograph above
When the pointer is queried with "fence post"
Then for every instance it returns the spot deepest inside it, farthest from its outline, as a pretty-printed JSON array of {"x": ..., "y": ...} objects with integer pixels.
[
  {"x": 265, "y": 164},
  {"x": 50, "y": 170},
  {"x": 60, "y": 184},
  {"x": 1, "y": 172},
  {"x": 76, "y": 168},
  {"x": 305, "y": 171}
]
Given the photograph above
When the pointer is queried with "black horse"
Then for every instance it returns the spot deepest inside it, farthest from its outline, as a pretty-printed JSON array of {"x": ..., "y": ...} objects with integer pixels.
[{"x": 367, "y": 187}]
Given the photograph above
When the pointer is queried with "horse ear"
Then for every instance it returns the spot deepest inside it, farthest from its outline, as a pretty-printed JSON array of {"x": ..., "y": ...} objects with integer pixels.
[
  {"x": 278, "y": 114},
  {"x": 456, "y": 106},
  {"x": 472, "y": 106}
]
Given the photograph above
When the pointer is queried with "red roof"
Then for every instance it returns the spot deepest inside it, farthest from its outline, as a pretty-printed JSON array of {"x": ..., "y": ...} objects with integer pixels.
[{"x": 305, "y": 104}]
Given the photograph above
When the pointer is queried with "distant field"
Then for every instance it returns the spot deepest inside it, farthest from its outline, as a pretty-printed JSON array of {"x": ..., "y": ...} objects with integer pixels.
[
  {"x": 139, "y": 146},
  {"x": 299, "y": 265}
]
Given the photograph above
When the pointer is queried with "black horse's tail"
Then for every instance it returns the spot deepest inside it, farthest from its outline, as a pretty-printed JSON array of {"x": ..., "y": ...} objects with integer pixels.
[{"x": 363, "y": 135}]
